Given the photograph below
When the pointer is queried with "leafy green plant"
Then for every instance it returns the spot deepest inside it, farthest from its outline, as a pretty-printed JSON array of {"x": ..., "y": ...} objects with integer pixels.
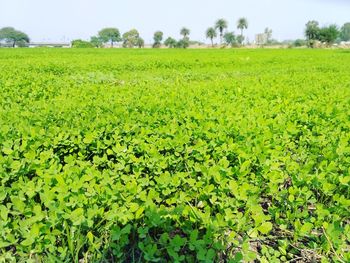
[{"x": 174, "y": 155}]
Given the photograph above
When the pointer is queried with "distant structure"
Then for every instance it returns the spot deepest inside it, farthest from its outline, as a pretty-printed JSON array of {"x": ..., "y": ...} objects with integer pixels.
[
  {"x": 38, "y": 44},
  {"x": 261, "y": 39},
  {"x": 44, "y": 44}
]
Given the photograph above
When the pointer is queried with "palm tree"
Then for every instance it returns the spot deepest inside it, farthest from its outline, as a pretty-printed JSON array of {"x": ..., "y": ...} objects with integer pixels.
[
  {"x": 221, "y": 24},
  {"x": 242, "y": 24},
  {"x": 211, "y": 33},
  {"x": 185, "y": 32}
]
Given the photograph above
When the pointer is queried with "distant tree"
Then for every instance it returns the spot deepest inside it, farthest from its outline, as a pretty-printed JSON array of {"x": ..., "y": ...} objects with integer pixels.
[
  {"x": 299, "y": 43},
  {"x": 157, "y": 37},
  {"x": 345, "y": 32},
  {"x": 111, "y": 35},
  {"x": 242, "y": 24},
  {"x": 268, "y": 33},
  {"x": 230, "y": 38},
  {"x": 13, "y": 36},
  {"x": 211, "y": 34},
  {"x": 240, "y": 39},
  {"x": 183, "y": 43},
  {"x": 96, "y": 41},
  {"x": 312, "y": 30},
  {"x": 22, "y": 43},
  {"x": 185, "y": 32},
  {"x": 195, "y": 43},
  {"x": 170, "y": 42},
  {"x": 130, "y": 38},
  {"x": 328, "y": 34},
  {"x": 78, "y": 43},
  {"x": 140, "y": 42},
  {"x": 221, "y": 25}
]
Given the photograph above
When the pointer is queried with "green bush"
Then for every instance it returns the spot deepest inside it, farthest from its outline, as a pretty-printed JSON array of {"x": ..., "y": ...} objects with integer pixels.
[
  {"x": 300, "y": 43},
  {"x": 82, "y": 44}
]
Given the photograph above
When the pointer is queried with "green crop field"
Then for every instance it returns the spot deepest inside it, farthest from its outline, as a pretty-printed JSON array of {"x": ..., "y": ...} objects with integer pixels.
[{"x": 174, "y": 155}]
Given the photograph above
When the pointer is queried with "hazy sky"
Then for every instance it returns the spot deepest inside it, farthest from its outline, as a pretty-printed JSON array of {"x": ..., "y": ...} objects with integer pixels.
[{"x": 63, "y": 20}]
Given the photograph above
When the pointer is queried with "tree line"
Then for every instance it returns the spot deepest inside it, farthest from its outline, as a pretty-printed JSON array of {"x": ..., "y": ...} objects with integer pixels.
[
  {"x": 327, "y": 34},
  {"x": 314, "y": 33},
  {"x": 132, "y": 38},
  {"x": 229, "y": 38}
]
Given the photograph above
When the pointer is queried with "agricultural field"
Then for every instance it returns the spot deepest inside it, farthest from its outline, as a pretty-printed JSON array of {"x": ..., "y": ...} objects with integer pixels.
[{"x": 174, "y": 155}]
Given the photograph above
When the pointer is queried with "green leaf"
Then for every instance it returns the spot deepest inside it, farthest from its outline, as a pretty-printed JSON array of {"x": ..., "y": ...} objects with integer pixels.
[
  {"x": 344, "y": 180},
  {"x": 18, "y": 203},
  {"x": 90, "y": 237},
  {"x": 265, "y": 228},
  {"x": 306, "y": 228},
  {"x": 7, "y": 151},
  {"x": 89, "y": 138},
  {"x": 3, "y": 213},
  {"x": 77, "y": 216},
  {"x": 139, "y": 212},
  {"x": 177, "y": 242},
  {"x": 27, "y": 242}
]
